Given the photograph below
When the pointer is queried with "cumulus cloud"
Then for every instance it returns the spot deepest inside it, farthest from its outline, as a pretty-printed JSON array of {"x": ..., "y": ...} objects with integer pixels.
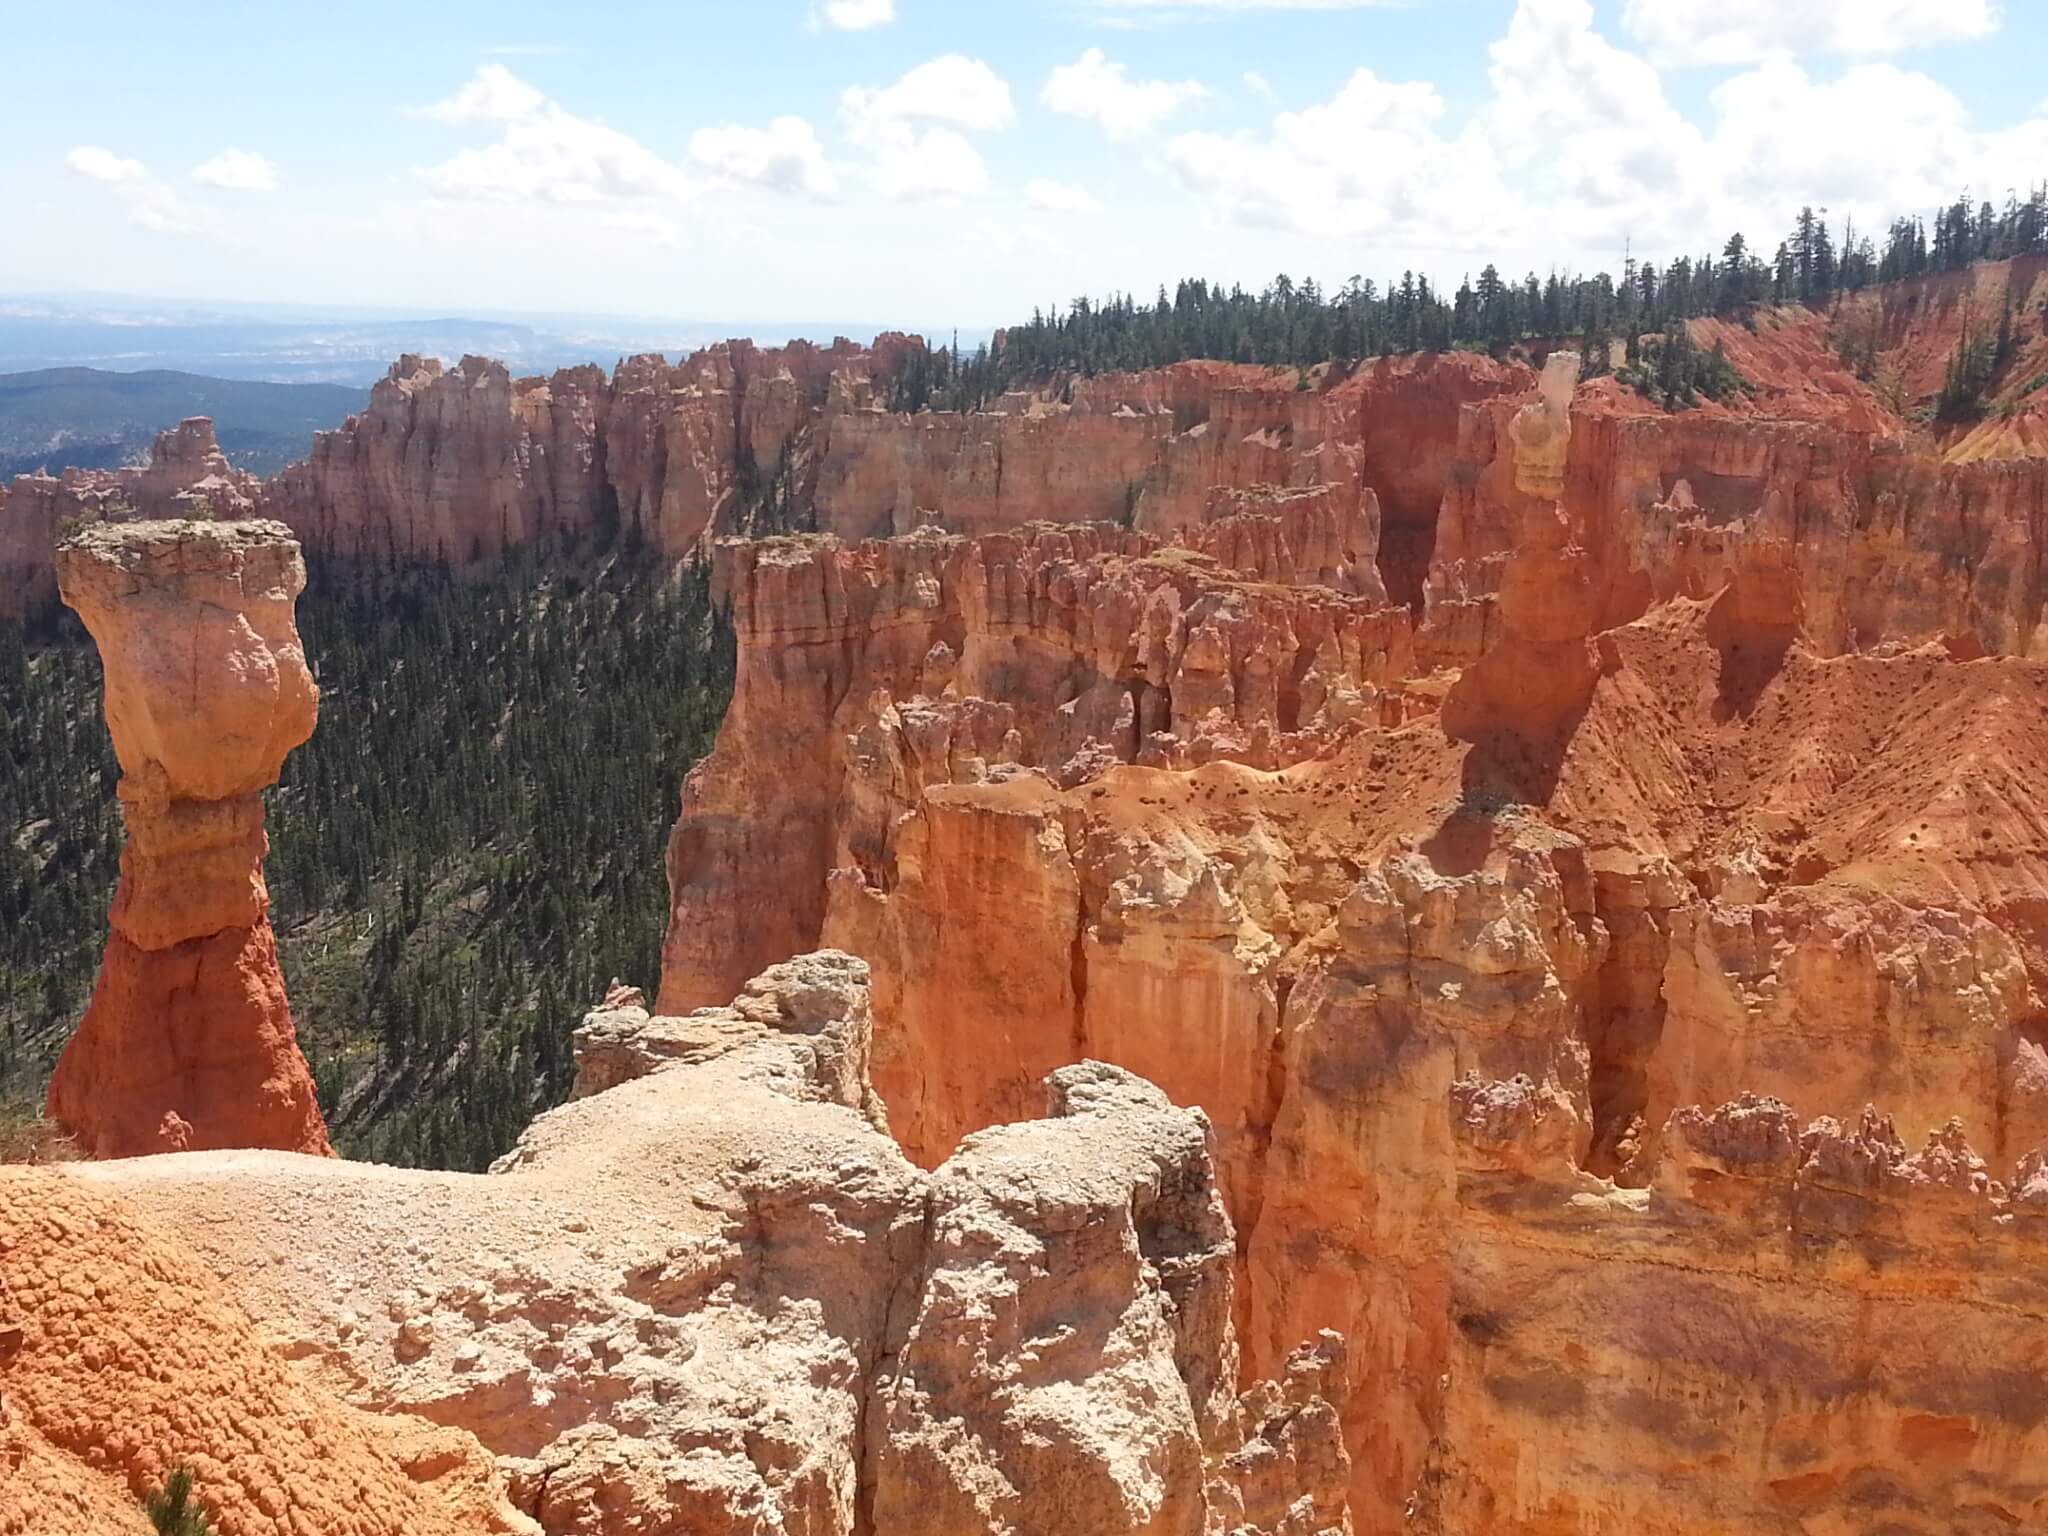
[
  {"x": 544, "y": 152},
  {"x": 913, "y": 129},
  {"x": 857, "y": 15},
  {"x": 1372, "y": 159},
  {"x": 1097, "y": 89},
  {"x": 493, "y": 95},
  {"x": 1678, "y": 32},
  {"x": 1578, "y": 141},
  {"x": 1060, "y": 196},
  {"x": 150, "y": 204},
  {"x": 952, "y": 89},
  {"x": 97, "y": 164},
  {"x": 783, "y": 157},
  {"x": 237, "y": 170},
  {"x": 916, "y": 164}
]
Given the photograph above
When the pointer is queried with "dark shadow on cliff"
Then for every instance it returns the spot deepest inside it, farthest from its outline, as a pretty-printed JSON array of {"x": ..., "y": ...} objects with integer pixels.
[{"x": 1752, "y": 633}]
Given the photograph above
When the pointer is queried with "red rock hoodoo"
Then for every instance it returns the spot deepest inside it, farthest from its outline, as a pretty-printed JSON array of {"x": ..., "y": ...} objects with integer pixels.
[
  {"x": 1439, "y": 950},
  {"x": 1536, "y": 955},
  {"x": 188, "y": 1042}
]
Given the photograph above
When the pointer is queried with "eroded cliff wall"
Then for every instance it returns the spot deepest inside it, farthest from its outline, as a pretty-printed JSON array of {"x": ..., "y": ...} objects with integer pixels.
[{"x": 1488, "y": 940}]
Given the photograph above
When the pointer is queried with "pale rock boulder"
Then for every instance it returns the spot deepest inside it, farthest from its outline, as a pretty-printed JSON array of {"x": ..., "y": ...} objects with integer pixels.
[
  {"x": 710, "y": 1295},
  {"x": 1070, "y": 1364}
]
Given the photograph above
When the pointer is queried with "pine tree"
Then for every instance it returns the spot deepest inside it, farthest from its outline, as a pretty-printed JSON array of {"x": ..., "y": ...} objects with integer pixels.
[{"x": 172, "y": 1510}]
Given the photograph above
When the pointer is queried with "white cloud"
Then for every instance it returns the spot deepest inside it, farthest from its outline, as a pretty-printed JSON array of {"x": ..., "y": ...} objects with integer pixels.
[
  {"x": 1100, "y": 90},
  {"x": 1371, "y": 160},
  {"x": 1259, "y": 85},
  {"x": 913, "y": 164},
  {"x": 783, "y": 157},
  {"x": 1679, "y": 32},
  {"x": 493, "y": 95},
  {"x": 544, "y": 153},
  {"x": 858, "y": 15},
  {"x": 237, "y": 170},
  {"x": 1578, "y": 148},
  {"x": 150, "y": 203},
  {"x": 96, "y": 164},
  {"x": 1579, "y": 124},
  {"x": 911, "y": 128},
  {"x": 649, "y": 227},
  {"x": 1060, "y": 196},
  {"x": 952, "y": 89},
  {"x": 156, "y": 207}
]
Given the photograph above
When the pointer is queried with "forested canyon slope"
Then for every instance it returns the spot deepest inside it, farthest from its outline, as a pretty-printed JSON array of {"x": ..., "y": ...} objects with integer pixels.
[{"x": 1585, "y": 862}]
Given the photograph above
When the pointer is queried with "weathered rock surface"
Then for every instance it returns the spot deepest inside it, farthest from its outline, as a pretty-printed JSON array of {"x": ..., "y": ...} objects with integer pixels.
[
  {"x": 711, "y": 1295},
  {"x": 188, "y": 1042},
  {"x": 122, "y": 1357},
  {"x": 1690, "y": 782},
  {"x": 187, "y": 476}
]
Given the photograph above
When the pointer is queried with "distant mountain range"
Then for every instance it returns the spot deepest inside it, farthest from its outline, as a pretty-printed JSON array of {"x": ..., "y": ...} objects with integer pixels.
[
  {"x": 87, "y": 379},
  {"x": 56, "y": 418},
  {"x": 290, "y": 344}
]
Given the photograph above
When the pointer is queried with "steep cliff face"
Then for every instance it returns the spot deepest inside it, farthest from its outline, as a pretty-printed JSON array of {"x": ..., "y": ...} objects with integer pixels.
[
  {"x": 188, "y": 1042},
  {"x": 187, "y": 476},
  {"x": 711, "y": 1295},
  {"x": 1702, "y": 777},
  {"x": 1886, "y": 543},
  {"x": 460, "y": 465}
]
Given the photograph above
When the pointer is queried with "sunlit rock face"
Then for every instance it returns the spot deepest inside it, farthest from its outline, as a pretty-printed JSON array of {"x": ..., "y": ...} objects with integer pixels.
[
  {"x": 1695, "y": 776},
  {"x": 187, "y": 476},
  {"x": 712, "y": 1294},
  {"x": 188, "y": 1042}
]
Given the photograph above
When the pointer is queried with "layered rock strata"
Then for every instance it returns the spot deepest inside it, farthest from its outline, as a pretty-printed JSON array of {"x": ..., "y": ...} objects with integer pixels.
[
  {"x": 1459, "y": 959},
  {"x": 710, "y": 1295},
  {"x": 187, "y": 476},
  {"x": 188, "y": 1042},
  {"x": 460, "y": 464}
]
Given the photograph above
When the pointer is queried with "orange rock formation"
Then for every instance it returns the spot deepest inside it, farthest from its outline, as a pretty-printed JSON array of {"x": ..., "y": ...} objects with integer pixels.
[
  {"x": 188, "y": 1042},
  {"x": 712, "y": 1295},
  {"x": 1482, "y": 935},
  {"x": 1583, "y": 863},
  {"x": 122, "y": 1357},
  {"x": 187, "y": 476}
]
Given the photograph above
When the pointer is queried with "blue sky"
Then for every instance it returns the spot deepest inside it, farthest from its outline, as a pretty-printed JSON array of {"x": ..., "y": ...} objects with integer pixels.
[{"x": 927, "y": 163}]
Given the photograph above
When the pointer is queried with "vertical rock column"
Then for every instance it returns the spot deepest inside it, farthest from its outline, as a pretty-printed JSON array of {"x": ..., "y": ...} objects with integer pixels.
[
  {"x": 188, "y": 1043},
  {"x": 1523, "y": 698}
]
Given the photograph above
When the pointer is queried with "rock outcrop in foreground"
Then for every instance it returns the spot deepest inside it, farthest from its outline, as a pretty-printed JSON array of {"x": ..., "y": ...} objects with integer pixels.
[
  {"x": 122, "y": 1357},
  {"x": 1570, "y": 971},
  {"x": 188, "y": 1042},
  {"x": 712, "y": 1295}
]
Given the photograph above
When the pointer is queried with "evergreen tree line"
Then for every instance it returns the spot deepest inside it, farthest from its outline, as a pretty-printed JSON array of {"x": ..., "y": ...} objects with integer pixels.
[
  {"x": 464, "y": 855},
  {"x": 1300, "y": 324},
  {"x": 60, "y": 844}
]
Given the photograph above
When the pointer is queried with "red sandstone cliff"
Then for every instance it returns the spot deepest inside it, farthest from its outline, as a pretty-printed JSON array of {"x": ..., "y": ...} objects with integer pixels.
[
  {"x": 1586, "y": 864},
  {"x": 1494, "y": 944},
  {"x": 187, "y": 476}
]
